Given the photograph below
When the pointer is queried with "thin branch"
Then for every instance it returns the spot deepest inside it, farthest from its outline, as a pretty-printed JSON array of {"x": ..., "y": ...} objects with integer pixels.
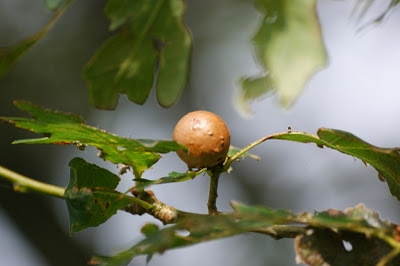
[
  {"x": 24, "y": 184},
  {"x": 157, "y": 209},
  {"x": 213, "y": 194}
]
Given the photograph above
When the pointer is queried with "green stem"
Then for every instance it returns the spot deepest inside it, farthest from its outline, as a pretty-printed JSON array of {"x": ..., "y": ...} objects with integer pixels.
[
  {"x": 236, "y": 156},
  {"x": 213, "y": 194},
  {"x": 24, "y": 184},
  {"x": 215, "y": 173}
]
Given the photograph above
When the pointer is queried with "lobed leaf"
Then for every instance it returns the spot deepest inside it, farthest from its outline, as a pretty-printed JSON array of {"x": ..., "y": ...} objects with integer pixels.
[
  {"x": 65, "y": 128},
  {"x": 91, "y": 197},
  {"x": 289, "y": 46},
  {"x": 153, "y": 44},
  {"x": 385, "y": 161}
]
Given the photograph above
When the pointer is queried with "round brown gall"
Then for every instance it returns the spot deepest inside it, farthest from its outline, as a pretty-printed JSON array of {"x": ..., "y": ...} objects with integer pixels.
[{"x": 205, "y": 135}]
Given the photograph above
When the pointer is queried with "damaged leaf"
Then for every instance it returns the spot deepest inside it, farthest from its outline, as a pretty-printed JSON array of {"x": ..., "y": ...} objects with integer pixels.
[
  {"x": 91, "y": 197},
  {"x": 65, "y": 128}
]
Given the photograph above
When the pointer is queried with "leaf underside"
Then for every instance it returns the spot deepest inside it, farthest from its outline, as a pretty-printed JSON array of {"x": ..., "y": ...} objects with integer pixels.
[
  {"x": 153, "y": 46},
  {"x": 253, "y": 218},
  {"x": 65, "y": 128},
  {"x": 358, "y": 228},
  {"x": 11, "y": 54}
]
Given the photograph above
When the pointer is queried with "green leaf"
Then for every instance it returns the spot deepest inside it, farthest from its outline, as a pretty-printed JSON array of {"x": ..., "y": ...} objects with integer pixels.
[
  {"x": 172, "y": 177},
  {"x": 289, "y": 47},
  {"x": 175, "y": 45},
  {"x": 91, "y": 197},
  {"x": 353, "y": 222},
  {"x": 385, "y": 161},
  {"x": 154, "y": 44},
  {"x": 65, "y": 128},
  {"x": 149, "y": 229},
  {"x": 10, "y": 55},
  {"x": 253, "y": 88}
]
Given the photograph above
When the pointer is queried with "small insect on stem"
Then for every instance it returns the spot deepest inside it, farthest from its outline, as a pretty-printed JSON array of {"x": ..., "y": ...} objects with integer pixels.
[{"x": 123, "y": 169}]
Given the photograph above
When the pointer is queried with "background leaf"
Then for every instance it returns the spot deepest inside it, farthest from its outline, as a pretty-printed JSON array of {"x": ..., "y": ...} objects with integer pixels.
[
  {"x": 287, "y": 67},
  {"x": 64, "y": 128},
  {"x": 253, "y": 88},
  {"x": 153, "y": 44},
  {"x": 54, "y": 4},
  {"x": 10, "y": 55},
  {"x": 363, "y": 6},
  {"x": 91, "y": 197},
  {"x": 385, "y": 161}
]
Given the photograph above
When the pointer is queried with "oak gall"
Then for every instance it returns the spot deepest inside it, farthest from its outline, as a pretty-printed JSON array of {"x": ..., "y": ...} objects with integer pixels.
[{"x": 205, "y": 135}]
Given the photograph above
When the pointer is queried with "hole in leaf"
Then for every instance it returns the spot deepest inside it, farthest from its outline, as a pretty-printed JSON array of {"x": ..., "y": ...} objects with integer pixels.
[
  {"x": 347, "y": 245},
  {"x": 182, "y": 232}
]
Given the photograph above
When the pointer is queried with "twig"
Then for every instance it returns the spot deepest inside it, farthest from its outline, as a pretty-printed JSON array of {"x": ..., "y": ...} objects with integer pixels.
[
  {"x": 24, "y": 184},
  {"x": 234, "y": 157},
  {"x": 216, "y": 172}
]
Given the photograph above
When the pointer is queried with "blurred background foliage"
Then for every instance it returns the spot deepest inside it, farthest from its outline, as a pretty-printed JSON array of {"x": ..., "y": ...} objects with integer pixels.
[{"x": 357, "y": 92}]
